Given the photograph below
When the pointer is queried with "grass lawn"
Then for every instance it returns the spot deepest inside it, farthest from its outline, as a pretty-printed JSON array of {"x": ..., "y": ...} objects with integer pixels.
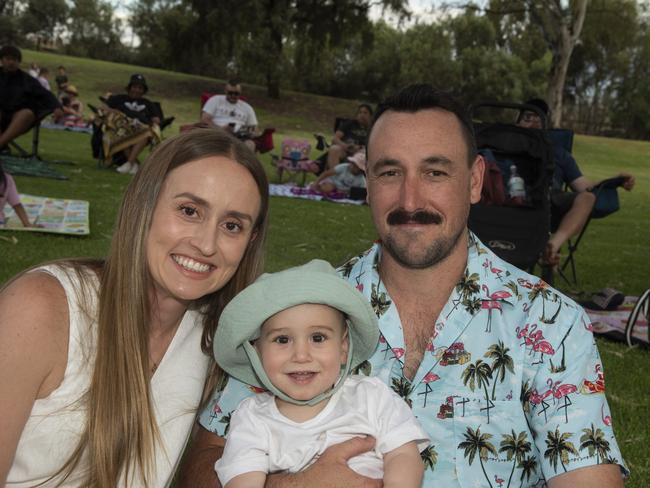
[{"x": 611, "y": 253}]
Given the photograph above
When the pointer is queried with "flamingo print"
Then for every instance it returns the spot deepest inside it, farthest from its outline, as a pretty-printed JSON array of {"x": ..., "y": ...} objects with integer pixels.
[
  {"x": 560, "y": 390},
  {"x": 486, "y": 265},
  {"x": 492, "y": 304},
  {"x": 398, "y": 352},
  {"x": 498, "y": 481},
  {"x": 607, "y": 420},
  {"x": 430, "y": 377},
  {"x": 496, "y": 271},
  {"x": 536, "y": 398}
]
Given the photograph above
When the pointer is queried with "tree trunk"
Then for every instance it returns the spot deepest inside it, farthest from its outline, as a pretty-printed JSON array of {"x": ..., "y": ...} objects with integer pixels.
[{"x": 566, "y": 37}]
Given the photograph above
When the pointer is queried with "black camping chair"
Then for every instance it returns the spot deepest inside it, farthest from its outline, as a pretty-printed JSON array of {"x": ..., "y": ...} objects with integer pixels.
[
  {"x": 606, "y": 193},
  {"x": 516, "y": 231},
  {"x": 36, "y": 133}
]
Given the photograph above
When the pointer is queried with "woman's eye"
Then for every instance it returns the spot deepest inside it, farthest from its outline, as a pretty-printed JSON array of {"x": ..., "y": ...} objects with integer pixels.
[
  {"x": 187, "y": 210},
  {"x": 233, "y": 226}
]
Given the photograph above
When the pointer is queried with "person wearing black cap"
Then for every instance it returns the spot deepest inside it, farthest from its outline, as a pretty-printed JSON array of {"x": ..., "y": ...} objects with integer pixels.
[
  {"x": 22, "y": 98},
  {"x": 569, "y": 210},
  {"x": 135, "y": 107}
]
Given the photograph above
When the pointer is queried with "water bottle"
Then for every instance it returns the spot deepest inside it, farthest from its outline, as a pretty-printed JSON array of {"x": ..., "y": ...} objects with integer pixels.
[{"x": 516, "y": 187}]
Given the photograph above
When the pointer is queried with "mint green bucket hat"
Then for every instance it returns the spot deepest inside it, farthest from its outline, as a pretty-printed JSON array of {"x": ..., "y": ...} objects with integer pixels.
[{"x": 313, "y": 282}]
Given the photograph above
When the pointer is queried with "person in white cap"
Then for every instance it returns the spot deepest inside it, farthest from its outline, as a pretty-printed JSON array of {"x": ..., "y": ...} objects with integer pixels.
[
  {"x": 297, "y": 334},
  {"x": 343, "y": 176}
]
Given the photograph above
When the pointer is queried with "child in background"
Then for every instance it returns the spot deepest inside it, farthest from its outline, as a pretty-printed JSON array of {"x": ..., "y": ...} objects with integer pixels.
[
  {"x": 9, "y": 194},
  {"x": 298, "y": 334},
  {"x": 343, "y": 176}
]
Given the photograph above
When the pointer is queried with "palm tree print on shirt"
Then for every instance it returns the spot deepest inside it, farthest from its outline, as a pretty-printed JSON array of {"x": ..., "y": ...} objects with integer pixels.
[
  {"x": 468, "y": 289},
  {"x": 541, "y": 289},
  {"x": 559, "y": 448},
  {"x": 429, "y": 457},
  {"x": 594, "y": 441},
  {"x": 501, "y": 363},
  {"x": 380, "y": 303},
  {"x": 516, "y": 447},
  {"x": 479, "y": 374},
  {"x": 528, "y": 466},
  {"x": 477, "y": 443}
]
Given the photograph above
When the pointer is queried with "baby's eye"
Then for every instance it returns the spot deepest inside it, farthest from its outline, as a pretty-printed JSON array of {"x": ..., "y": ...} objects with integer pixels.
[
  {"x": 319, "y": 338},
  {"x": 281, "y": 340}
]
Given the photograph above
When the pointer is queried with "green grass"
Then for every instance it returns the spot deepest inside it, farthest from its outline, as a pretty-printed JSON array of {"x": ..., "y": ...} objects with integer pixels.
[{"x": 611, "y": 254}]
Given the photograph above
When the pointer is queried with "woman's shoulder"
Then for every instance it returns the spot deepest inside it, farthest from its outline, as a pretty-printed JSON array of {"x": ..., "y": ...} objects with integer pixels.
[{"x": 34, "y": 327}]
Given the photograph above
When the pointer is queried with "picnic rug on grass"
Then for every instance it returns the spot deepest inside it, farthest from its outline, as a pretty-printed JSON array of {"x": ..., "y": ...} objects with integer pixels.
[
  {"x": 31, "y": 167},
  {"x": 614, "y": 323},
  {"x": 294, "y": 191},
  {"x": 70, "y": 128},
  {"x": 54, "y": 215}
]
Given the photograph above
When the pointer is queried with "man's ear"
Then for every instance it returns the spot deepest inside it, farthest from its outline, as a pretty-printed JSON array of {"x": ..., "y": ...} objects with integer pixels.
[{"x": 476, "y": 183}]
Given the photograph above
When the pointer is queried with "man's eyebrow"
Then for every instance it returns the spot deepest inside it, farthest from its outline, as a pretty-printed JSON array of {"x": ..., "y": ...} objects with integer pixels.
[
  {"x": 383, "y": 162},
  {"x": 437, "y": 160},
  {"x": 204, "y": 203}
]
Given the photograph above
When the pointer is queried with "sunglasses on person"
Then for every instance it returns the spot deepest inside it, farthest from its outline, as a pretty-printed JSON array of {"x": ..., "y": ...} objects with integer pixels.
[
  {"x": 530, "y": 116},
  {"x": 233, "y": 93}
]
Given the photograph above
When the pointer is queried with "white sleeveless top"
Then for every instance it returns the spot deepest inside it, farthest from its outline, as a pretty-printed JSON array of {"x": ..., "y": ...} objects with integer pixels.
[{"x": 56, "y": 422}]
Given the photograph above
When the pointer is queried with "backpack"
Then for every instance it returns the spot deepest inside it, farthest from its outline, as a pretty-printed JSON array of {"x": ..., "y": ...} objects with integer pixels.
[{"x": 493, "y": 191}]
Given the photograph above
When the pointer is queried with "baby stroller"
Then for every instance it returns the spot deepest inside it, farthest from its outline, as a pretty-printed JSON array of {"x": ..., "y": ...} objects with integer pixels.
[{"x": 516, "y": 229}]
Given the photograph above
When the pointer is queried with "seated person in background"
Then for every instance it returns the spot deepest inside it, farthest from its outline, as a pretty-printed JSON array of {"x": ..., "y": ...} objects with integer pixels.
[
  {"x": 9, "y": 194},
  {"x": 132, "y": 123},
  {"x": 61, "y": 80},
  {"x": 569, "y": 210},
  {"x": 22, "y": 98},
  {"x": 343, "y": 176},
  {"x": 304, "y": 345},
  {"x": 350, "y": 137},
  {"x": 72, "y": 107},
  {"x": 33, "y": 70},
  {"x": 231, "y": 113},
  {"x": 42, "y": 78}
]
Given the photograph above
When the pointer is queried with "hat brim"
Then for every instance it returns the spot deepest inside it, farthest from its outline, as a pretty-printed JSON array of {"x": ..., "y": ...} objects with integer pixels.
[{"x": 244, "y": 315}]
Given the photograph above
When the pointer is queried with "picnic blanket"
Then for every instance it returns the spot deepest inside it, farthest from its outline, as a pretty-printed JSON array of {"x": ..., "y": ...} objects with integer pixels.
[
  {"x": 612, "y": 323},
  {"x": 52, "y": 214},
  {"x": 29, "y": 167},
  {"x": 88, "y": 129},
  {"x": 294, "y": 191}
]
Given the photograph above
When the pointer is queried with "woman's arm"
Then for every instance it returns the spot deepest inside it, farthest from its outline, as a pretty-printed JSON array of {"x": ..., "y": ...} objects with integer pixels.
[
  {"x": 403, "y": 467},
  {"x": 33, "y": 353}
]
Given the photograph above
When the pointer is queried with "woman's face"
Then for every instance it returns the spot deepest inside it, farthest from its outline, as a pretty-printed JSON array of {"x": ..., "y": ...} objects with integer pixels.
[{"x": 202, "y": 224}]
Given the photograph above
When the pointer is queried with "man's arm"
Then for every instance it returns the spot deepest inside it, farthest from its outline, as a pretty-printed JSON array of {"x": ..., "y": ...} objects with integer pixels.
[
  {"x": 197, "y": 468},
  {"x": 206, "y": 118},
  {"x": 606, "y": 475},
  {"x": 585, "y": 184}
]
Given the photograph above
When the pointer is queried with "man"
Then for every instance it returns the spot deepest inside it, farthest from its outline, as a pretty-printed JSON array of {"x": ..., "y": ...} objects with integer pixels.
[
  {"x": 135, "y": 107},
  {"x": 231, "y": 113},
  {"x": 23, "y": 100},
  {"x": 499, "y": 368},
  {"x": 569, "y": 210},
  {"x": 350, "y": 137}
]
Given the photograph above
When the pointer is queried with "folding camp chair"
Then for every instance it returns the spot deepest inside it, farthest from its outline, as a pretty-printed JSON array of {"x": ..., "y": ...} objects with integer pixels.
[
  {"x": 606, "y": 203},
  {"x": 35, "y": 138},
  {"x": 294, "y": 159}
]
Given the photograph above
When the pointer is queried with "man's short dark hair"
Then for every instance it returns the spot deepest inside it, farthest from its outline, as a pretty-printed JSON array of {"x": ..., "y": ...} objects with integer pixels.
[
  {"x": 366, "y": 106},
  {"x": 233, "y": 82},
  {"x": 11, "y": 52},
  {"x": 423, "y": 96}
]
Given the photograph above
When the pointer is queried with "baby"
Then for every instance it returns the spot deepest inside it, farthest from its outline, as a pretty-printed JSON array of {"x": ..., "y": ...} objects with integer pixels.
[{"x": 298, "y": 333}]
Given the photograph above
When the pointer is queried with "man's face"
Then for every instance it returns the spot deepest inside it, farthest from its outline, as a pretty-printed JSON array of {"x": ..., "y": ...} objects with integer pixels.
[
  {"x": 530, "y": 120},
  {"x": 364, "y": 116},
  {"x": 9, "y": 63},
  {"x": 420, "y": 185},
  {"x": 232, "y": 93},
  {"x": 136, "y": 90}
]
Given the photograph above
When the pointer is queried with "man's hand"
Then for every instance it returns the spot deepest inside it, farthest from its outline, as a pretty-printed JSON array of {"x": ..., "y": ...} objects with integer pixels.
[{"x": 331, "y": 470}]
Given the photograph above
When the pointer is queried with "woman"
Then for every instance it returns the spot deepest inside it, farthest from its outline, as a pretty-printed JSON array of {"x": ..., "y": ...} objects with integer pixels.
[{"x": 101, "y": 374}]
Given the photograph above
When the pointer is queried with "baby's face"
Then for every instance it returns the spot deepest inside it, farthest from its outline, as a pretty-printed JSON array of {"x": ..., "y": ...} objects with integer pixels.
[{"x": 302, "y": 349}]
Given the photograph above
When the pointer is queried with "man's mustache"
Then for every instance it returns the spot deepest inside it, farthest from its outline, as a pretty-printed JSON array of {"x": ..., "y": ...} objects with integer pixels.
[{"x": 401, "y": 216}]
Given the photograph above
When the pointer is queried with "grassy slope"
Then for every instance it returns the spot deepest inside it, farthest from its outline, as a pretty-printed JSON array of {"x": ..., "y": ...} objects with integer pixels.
[{"x": 610, "y": 255}]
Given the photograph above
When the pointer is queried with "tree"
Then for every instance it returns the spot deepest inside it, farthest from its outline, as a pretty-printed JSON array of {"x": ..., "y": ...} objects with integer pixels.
[
  {"x": 477, "y": 443},
  {"x": 594, "y": 441},
  {"x": 42, "y": 17},
  {"x": 559, "y": 448},
  {"x": 94, "y": 30},
  {"x": 516, "y": 447},
  {"x": 501, "y": 362}
]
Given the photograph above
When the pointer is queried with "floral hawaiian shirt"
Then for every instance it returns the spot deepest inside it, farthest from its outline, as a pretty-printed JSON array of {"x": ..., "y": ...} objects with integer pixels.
[{"x": 511, "y": 389}]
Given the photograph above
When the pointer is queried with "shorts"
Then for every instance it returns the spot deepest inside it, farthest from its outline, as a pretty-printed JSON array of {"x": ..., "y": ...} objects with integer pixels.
[{"x": 561, "y": 203}]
